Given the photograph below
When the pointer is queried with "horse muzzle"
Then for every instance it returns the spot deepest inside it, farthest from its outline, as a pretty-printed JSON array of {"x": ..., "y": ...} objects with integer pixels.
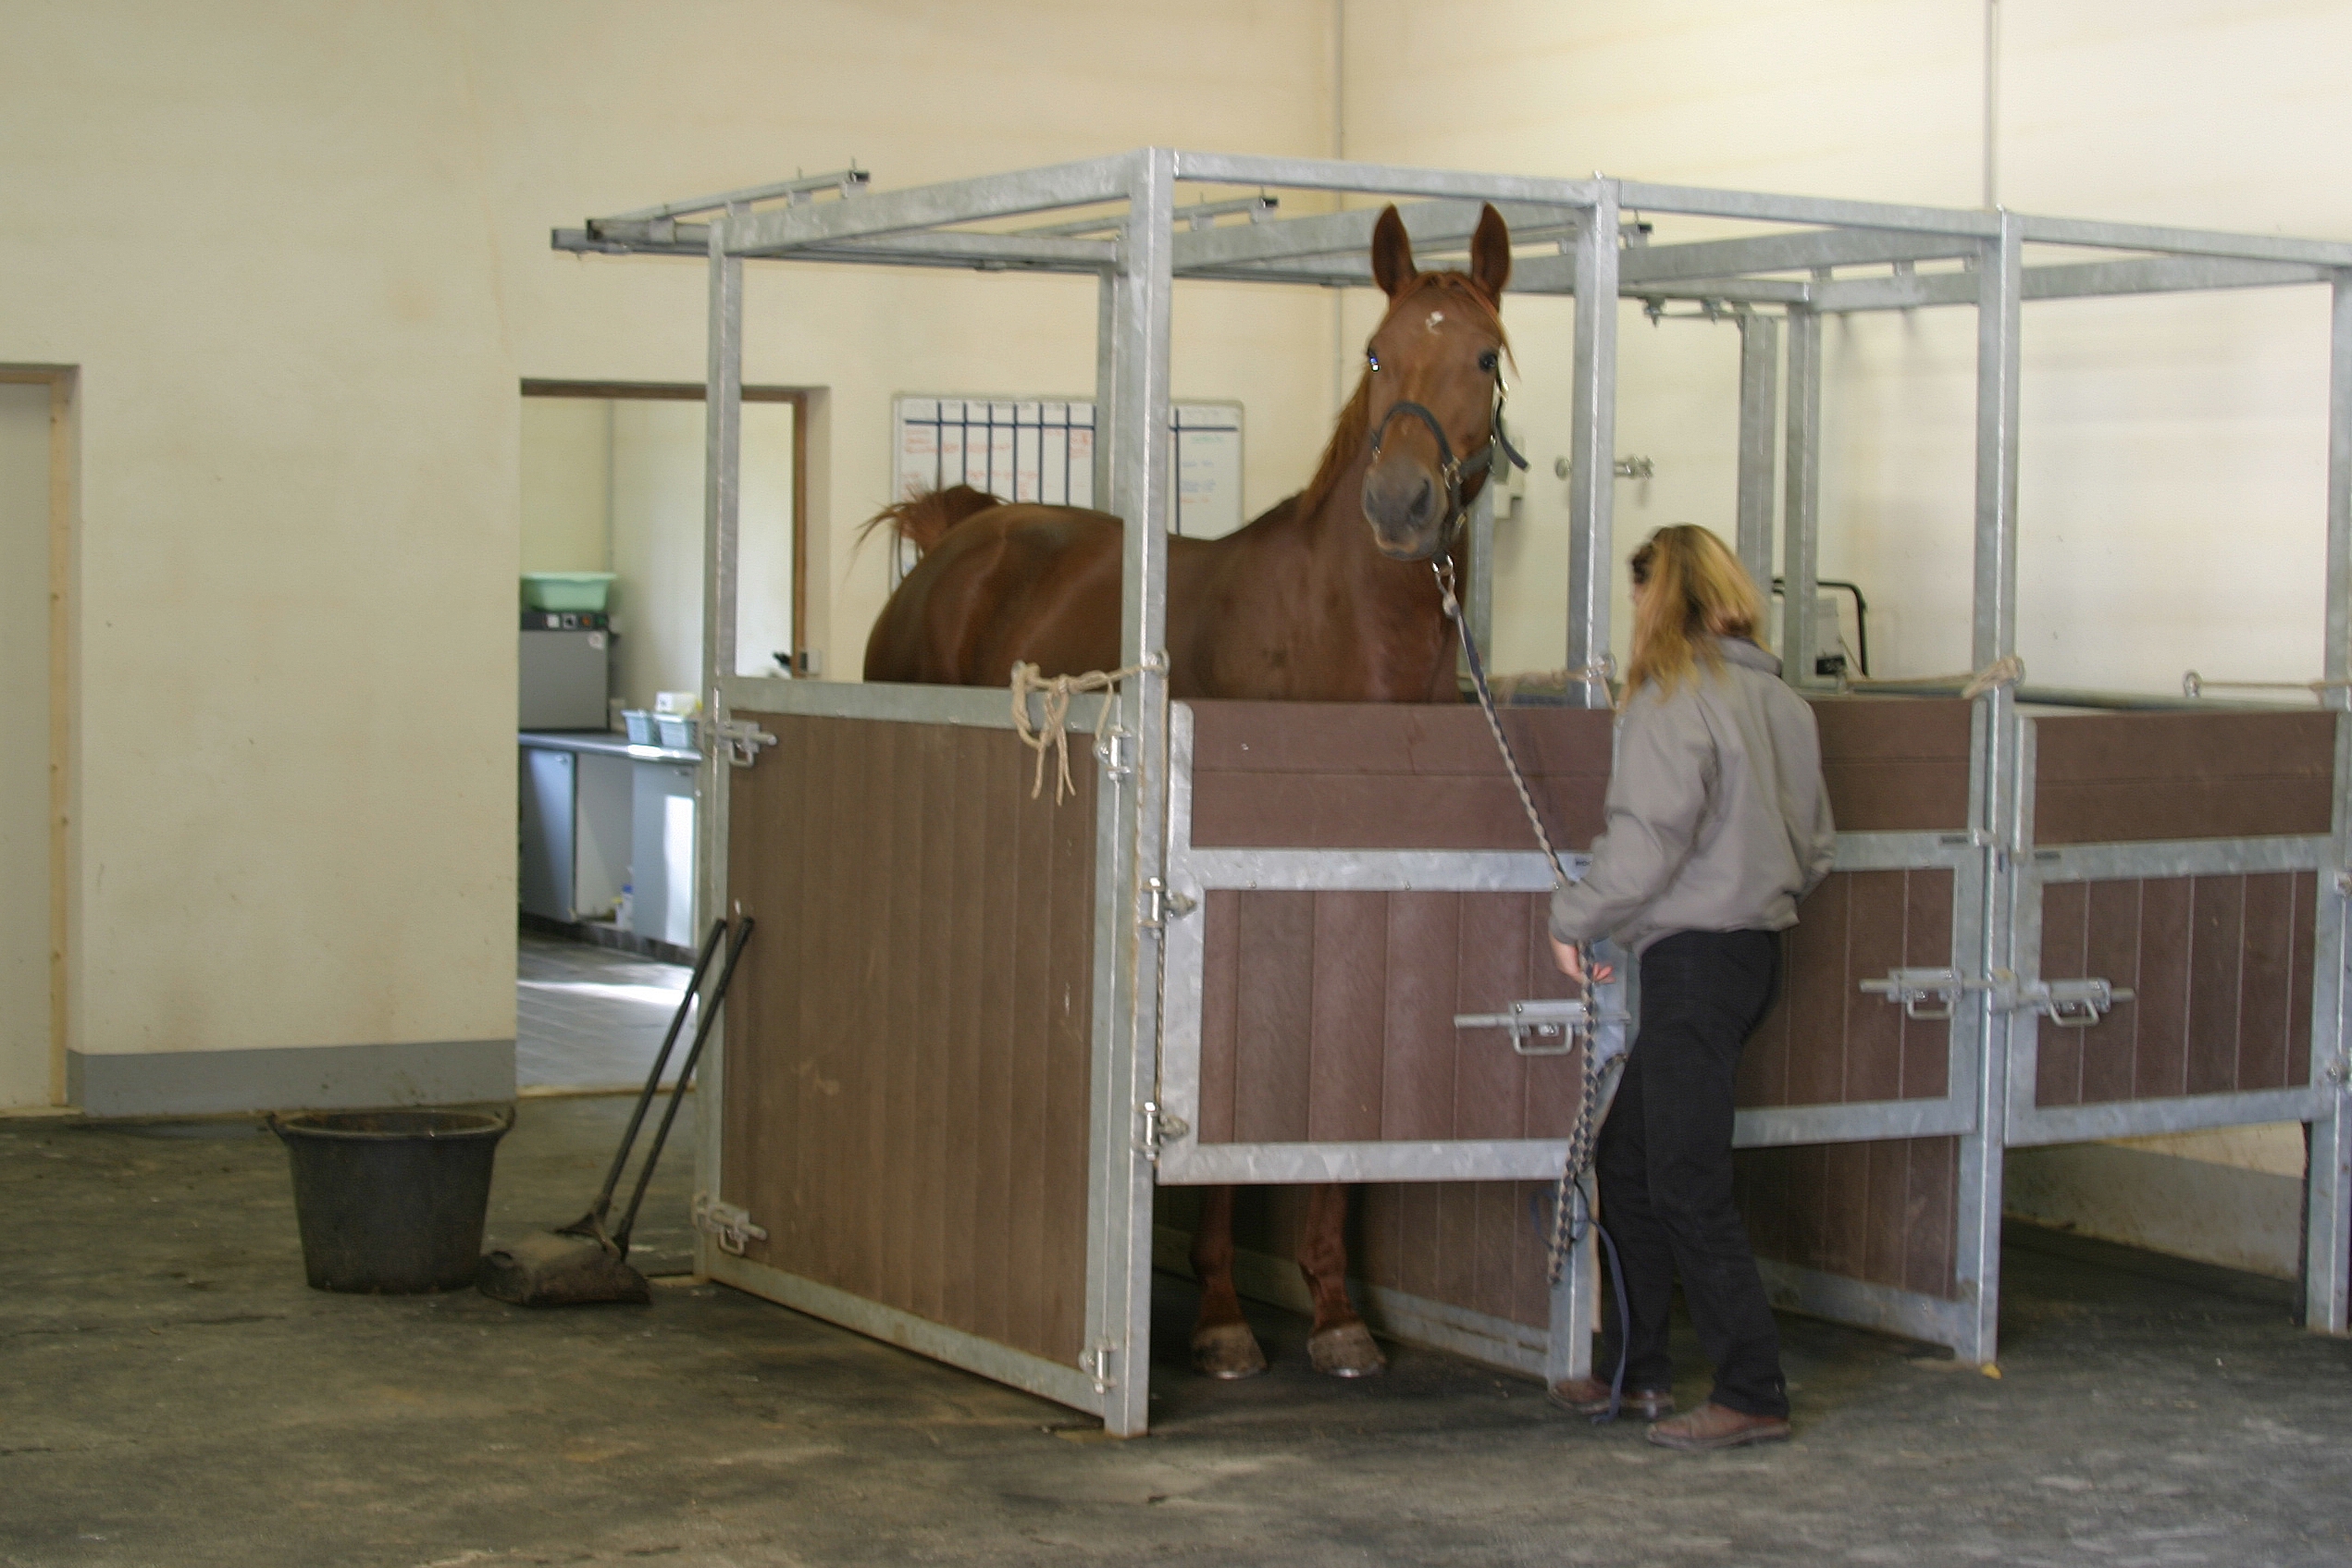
[{"x": 1406, "y": 508}]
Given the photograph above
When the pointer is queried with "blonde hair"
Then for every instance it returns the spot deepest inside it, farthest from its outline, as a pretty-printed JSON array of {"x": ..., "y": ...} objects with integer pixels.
[{"x": 1693, "y": 590}]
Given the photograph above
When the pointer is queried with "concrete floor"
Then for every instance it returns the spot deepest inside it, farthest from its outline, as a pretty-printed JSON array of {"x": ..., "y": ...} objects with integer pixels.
[
  {"x": 590, "y": 1017},
  {"x": 171, "y": 1392}
]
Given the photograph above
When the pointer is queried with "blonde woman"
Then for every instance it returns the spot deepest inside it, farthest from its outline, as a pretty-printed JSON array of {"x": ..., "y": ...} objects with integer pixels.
[{"x": 1717, "y": 825}]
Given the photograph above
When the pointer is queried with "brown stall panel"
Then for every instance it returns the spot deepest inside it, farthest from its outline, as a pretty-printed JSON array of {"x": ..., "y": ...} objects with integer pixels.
[
  {"x": 2116, "y": 778},
  {"x": 2220, "y": 971},
  {"x": 1826, "y": 1042},
  {"x": 1895, "y": 764},
  {"x": 1310, "y": 775},
  {"x": 1883, "y": 1212},
  {"x": 907, "y": 1043},
  {"x": 1329, "y": 1016}
]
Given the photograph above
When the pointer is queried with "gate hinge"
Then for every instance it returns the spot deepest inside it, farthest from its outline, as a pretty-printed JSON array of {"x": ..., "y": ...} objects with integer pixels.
[
  {"x": 1116, "y": 752},
  {"x": 728, "y": 1223},
  {"x": 1096, "y": 1361},
  {"x": 1160, "y": 905},
  {"x": 1548, "y": 1019},
  {"x": 1159, "y": 1126},
  {"x": 743, "y": 739}
]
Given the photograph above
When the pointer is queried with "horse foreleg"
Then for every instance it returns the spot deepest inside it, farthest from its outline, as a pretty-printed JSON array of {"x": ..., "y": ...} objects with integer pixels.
[
  {"x": 1340, "y": 1343},
  {"x": 1222, "y": 1345}
]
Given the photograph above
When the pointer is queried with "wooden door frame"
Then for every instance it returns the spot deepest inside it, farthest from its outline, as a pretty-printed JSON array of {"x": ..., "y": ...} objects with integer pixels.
[
  {"x": 694, "y": 391},
  {"x": 64, "y": 689}
]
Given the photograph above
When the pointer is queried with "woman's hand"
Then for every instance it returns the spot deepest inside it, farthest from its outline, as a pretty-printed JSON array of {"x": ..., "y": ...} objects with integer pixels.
[{"x": 1569, "y": 955}]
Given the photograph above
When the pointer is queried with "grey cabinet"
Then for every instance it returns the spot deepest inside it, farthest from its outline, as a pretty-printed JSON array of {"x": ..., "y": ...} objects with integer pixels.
[
  {"x": 573, "y": 817},
  {"x": 663, "y": 859}
]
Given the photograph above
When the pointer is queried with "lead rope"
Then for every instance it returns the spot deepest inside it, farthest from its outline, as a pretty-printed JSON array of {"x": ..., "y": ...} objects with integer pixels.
[{"x": 1571, "y": 1212}]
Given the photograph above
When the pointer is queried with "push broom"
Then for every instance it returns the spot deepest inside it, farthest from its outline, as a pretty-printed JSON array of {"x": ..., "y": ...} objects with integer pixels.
[{"x": 587, "y": 1260}]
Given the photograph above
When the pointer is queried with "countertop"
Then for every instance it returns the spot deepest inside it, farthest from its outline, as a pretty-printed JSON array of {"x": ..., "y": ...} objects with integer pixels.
[{"x": 605, "y": 743}]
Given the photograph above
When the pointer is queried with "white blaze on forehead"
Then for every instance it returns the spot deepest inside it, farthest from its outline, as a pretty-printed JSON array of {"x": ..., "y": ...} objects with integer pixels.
[{"x": 1436, "y": 317}]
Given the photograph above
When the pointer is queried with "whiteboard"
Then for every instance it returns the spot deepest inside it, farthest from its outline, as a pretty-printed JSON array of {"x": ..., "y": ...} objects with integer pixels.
[{"x": 1043, "y": 450}]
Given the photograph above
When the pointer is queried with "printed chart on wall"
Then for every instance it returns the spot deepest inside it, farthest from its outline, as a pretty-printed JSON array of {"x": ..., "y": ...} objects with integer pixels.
[{"x": 1040, "y": 450}]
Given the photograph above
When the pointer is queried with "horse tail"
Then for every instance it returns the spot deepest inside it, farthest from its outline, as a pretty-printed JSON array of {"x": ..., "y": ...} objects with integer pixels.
[{"x": 925, "y": 521}]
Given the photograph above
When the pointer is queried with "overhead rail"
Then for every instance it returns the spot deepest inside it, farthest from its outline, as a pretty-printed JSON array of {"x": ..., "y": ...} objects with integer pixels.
[{"x": 1842, "y": 257}]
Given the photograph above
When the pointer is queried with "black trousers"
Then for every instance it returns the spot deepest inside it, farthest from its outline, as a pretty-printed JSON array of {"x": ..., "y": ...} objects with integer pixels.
[{"x": 1665, "y": 1167}]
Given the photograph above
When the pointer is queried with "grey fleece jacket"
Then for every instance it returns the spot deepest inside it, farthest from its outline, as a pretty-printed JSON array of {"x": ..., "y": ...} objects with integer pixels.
[{"x": 1717, "y": 820}]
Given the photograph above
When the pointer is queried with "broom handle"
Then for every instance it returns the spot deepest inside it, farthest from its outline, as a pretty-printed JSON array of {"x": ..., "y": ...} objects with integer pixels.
[
  {"x": 654, "y": 1079},
  {"x": 686, "y": 1077}
]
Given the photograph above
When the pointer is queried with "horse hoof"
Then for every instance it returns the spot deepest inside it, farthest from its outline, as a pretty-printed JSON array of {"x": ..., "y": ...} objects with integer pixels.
[
  {"x": 1345, "y": 1350},
  {"x": 1227, "y": 1350}
]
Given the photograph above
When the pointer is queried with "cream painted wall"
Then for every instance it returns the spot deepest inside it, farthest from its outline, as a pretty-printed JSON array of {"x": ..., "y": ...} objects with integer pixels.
[
  {"x": 657, "y": 533},
  {"x": 301, "y": 258},
  {"x": 24, "y": 752},
  {"x": 2173, "y": 471},
  {"x": 567, "y": 484},
  {"x": 631, "y": 469}
]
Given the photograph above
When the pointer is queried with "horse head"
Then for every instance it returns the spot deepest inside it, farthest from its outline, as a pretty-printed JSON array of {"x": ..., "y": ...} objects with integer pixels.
[{"x": 1433, "y": 389}]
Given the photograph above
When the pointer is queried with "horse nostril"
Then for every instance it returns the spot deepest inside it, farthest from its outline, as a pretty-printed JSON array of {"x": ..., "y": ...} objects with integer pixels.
[{"x": 1422, "y": 499}]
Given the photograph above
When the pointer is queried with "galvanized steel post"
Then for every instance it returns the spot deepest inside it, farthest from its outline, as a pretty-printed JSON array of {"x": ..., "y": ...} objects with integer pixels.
[
  {"x": 1127, "y": 1060},
  {"x": 1592, "y": 438},
  {"x": 1759, "y": 422},
  {"x": 1800, "y": 518},
  {"x": 721, "y": 496},
  {"x": 2328, "y": 1205},
  {"x": 1998, "y": 764}
]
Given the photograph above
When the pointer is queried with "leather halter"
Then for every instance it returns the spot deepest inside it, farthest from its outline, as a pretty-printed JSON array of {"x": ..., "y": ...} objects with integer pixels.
[{"x": 1452, "y": 470}]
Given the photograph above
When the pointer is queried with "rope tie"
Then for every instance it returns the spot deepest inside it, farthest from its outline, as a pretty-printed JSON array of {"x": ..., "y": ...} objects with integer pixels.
[{"x": 1053, "y": 694}]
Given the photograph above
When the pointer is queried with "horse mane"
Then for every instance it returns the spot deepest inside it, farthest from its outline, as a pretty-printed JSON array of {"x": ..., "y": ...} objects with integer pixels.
[{"x": 1355, "y": 421}]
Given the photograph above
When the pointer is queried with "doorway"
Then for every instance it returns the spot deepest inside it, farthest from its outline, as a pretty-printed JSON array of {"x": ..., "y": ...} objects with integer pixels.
[{"x": 612, "y": 483}]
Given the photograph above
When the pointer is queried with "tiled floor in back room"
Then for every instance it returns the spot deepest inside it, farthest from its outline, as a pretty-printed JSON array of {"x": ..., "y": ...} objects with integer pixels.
[{"x": 589, "y": 1018}]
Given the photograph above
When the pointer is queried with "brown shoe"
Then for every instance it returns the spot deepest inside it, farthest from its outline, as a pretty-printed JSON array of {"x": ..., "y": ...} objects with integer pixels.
[
  {"x": 1589, "y": 1396},
  {"x": 1713, "y": 1426}
]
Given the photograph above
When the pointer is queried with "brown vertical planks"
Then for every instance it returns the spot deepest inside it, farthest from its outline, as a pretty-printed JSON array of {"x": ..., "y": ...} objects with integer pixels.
[{"x": 907, "y": 1073}]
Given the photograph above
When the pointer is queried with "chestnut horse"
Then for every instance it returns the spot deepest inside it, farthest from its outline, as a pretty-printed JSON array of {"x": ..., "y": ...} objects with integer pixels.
[{"x": 1326, "y": 598}]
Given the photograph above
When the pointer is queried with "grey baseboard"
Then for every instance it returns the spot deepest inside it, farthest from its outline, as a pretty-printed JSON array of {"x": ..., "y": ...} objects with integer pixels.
[{"x": 295, "y": 1078}]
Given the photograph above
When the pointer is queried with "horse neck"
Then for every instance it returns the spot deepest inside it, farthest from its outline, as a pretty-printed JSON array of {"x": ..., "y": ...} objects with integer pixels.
[{"x": 1396, "y": 644}]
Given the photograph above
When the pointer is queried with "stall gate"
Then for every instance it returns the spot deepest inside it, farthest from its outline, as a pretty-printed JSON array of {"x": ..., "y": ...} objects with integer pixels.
[
  {"x": 908, "y": 1135},
  {"x": 2179, "y": 945},
  {"x": 1356, "y": 881}
]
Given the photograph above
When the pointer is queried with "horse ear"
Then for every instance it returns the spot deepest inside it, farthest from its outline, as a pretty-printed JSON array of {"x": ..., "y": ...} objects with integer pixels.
[
  {"x": 1392, "y": 254},
  {"x": 1491, "y": 253}
]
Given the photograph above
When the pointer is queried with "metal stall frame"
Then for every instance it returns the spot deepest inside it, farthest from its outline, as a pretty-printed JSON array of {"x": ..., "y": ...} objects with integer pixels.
[{"x": 1137, "y": 251}]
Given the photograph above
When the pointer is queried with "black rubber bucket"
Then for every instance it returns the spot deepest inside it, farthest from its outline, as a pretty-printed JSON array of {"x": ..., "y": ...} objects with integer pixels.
[{"x": 391, "y": 1203}]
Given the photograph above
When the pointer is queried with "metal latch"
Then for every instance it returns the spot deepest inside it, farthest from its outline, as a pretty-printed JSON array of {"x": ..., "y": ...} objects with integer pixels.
[
  {"x": 743, "y": 739},
  {"x": 1159, "y": 1127},
  {"x": 1160, "y": 905},
  {"x": 730, "y": 1225},
  {"x": 1116, "y": 752},
  {"x": 1915, "y": 988},
  {"x": 1096, "y": 1361},
  {"x": 2070, "y": 1004},
  {"x": 1544, "y": 1019}
]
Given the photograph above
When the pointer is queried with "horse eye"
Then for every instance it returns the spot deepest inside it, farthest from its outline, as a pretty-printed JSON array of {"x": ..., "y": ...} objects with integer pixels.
[
  {"x": 1372, "y": 358},
  {"x": 1489, "y": 360}
]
